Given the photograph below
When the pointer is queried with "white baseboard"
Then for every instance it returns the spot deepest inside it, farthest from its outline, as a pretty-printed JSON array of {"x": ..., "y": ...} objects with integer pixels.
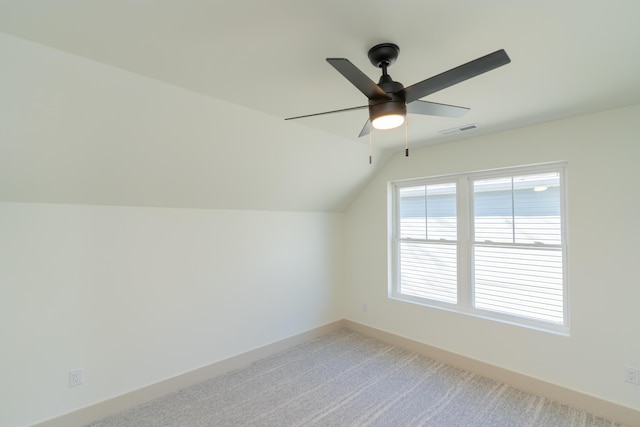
[
  {"x": 576, "y": 399},
  {"x": 573, "y": 398},
  {"x": 125, "y": 401}
]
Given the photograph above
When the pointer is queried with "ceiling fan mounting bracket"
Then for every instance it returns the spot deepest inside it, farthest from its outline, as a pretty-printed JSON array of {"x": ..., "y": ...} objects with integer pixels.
[{"x": 384, "y": 54}]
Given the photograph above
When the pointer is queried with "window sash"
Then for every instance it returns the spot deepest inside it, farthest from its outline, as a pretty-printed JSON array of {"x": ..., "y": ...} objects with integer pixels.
[
  {"x": 429, "y": 270},
  {"x": 524, "y": 281}
]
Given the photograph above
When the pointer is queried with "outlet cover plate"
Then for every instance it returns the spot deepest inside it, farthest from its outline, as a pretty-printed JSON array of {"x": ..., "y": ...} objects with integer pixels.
[
  {"x": 631, "y": 375},
  {"x": 75, "y": 377}
]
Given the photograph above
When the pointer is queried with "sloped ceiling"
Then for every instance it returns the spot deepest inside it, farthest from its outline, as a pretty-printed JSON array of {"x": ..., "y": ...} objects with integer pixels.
[{"x": 181, "y": 103}]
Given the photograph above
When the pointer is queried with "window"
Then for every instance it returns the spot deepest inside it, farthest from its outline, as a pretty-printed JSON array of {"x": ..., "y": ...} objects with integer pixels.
[{"x": 490, "y": 244}]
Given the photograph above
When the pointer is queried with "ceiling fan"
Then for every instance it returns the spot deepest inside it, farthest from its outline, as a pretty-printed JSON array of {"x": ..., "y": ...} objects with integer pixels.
[{"x": 390, "y": 101}]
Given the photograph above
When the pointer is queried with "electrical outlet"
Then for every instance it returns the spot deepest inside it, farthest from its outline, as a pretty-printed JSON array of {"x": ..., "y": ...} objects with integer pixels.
[
  {"x": 75, "y": 377},
  {"x": 631, "y": 375}
]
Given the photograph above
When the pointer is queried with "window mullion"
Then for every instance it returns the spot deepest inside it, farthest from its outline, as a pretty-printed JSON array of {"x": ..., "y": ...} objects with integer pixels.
[
  {"x": 464, "y": 206},
  {"x": 426, "y": 214},
  {"x": 513, "y": 213}
]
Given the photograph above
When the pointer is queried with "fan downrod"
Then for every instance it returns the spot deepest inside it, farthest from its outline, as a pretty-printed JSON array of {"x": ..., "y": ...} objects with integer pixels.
[{"x": 384, "y": 54}]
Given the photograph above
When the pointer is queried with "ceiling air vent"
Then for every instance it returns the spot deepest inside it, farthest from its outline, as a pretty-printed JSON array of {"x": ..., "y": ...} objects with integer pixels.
[{"x": 457, "y": 130}]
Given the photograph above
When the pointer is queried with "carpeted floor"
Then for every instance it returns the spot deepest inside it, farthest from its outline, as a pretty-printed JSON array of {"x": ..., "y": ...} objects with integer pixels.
[{"x": 347, "y": 379}]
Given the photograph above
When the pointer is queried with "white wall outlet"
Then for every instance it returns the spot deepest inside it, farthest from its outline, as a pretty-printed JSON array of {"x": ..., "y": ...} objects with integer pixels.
[
  {"x": 631, "y": 375},
  {"x": 75, "y": 377},
  {"x": 364, "y": 307}
]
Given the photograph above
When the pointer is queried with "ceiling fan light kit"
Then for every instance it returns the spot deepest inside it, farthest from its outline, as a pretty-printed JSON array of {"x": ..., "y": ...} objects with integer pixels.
[
  {"x": 387, "y": 115},
  {"x": 389, "y": 101}
]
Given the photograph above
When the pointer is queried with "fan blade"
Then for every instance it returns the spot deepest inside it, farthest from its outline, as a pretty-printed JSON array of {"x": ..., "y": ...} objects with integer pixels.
[
  {"x": 358, "y": 78},
  {"x": 456, "y": 75},
  {"x": 328, "y": 112},
  {"x": 435, "y": 109},
  {"x": 365, "y": 129}
]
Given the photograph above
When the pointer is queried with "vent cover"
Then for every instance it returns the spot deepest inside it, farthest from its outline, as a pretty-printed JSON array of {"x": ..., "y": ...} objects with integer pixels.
[{"x": 459, "y": 129}]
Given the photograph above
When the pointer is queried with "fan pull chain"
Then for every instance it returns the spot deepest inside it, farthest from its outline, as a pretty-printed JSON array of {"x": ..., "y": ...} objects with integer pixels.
[
  {"x": 370, "y": 144},
  {"x": 406, "y": 136}
]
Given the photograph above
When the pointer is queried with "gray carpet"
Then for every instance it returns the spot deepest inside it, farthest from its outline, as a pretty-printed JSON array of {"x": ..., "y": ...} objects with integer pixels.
[{"x": 347, "y": 379}]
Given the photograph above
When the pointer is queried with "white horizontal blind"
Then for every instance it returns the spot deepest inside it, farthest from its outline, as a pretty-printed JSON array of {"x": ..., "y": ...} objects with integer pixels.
[
  {"x": 427, "y": 249},
  {"x": 517, "y": 246},
  {"x": 525, "y": 282},
  {"x": 428, "y": 270}
]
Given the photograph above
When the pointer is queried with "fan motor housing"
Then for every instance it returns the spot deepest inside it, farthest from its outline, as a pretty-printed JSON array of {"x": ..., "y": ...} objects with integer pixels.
[
  {"x": 383, "y": 108},
  {"x": 395, "y": 105}
]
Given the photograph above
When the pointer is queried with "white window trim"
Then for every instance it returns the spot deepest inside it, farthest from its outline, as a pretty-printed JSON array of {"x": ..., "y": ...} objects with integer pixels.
[{"x": 465, "y": 244}]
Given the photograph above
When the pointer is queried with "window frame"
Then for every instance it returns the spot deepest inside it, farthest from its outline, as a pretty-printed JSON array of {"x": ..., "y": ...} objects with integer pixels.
[{"x": 465, "y": 244}]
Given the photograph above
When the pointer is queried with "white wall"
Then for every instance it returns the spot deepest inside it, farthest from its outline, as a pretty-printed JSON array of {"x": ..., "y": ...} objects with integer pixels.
[
  {"x": 137, "y": 295},
  {"x": 603, "y": 151}
]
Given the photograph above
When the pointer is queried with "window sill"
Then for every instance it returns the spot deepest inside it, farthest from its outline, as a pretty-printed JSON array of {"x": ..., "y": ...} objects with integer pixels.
[{"x": 561, "y": 330}]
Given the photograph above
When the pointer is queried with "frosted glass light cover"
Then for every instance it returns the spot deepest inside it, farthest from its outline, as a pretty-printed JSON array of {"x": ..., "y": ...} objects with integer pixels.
[{"x": 389, "y": 121}]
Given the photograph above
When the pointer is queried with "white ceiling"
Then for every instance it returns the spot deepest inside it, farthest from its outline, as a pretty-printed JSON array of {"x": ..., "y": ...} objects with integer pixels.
[{"x": 568, "y": 57}]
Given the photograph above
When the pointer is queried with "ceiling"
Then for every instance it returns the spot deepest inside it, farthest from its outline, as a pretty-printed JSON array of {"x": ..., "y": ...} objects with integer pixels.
[{"x": 268, "y": 58}]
